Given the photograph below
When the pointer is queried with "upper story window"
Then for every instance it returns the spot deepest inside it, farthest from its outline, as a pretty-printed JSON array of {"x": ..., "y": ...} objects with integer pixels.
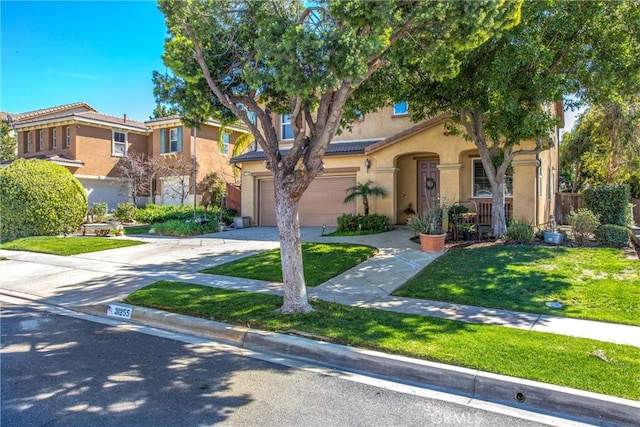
[
  {"x": 171, "y": 140},
  {"x": 41, "y": 140},
  {"x": 54, "y": 138},
  {"x": 286, "y": 131},
  {"x": 28, "y": 150},
  {"x": 400, "y": 108},
  {"x": 481, "y": 184},
  {"x": 119, "y": 146},
  {"x": 224, "y": 147},
  {"x": 67, "y": 142}
]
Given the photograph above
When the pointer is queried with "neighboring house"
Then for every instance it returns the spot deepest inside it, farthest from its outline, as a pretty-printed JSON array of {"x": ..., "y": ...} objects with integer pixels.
[
  {"x": 90, "y": 144},
  {"x": 413, "y": 162}
]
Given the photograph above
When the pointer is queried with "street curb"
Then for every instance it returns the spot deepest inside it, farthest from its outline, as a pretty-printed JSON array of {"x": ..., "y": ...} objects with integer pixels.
[{"x": 515, "y": 392}]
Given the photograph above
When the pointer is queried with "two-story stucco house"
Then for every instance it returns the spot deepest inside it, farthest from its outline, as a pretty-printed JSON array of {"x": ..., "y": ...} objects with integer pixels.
[
  {"x": 413, "y": 162},
  {"x": 90, "y": 144}
]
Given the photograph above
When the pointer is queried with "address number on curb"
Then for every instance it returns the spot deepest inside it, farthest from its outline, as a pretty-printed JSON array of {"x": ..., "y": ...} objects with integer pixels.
[{"x": 119, "y": 311}]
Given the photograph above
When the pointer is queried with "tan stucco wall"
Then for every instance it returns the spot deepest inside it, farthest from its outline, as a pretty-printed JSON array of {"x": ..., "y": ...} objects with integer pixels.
[{"x": 394, "y": 168}]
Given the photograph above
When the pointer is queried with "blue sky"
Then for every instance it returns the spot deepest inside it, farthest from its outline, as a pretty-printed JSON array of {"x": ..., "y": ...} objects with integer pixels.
[{"x": 99, "y": 52}]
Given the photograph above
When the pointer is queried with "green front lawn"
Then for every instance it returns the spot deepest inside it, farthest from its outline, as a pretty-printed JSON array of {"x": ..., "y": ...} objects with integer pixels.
[
  {"x": 572, "y": 362},
  {"x": 591, "y": 283},
  {"x": 71, "y": 245},
  {"x": 322, "y": 261}
]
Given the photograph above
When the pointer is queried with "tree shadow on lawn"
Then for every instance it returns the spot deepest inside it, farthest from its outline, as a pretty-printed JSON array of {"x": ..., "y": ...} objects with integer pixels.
[{"x": 518, "y": 278}]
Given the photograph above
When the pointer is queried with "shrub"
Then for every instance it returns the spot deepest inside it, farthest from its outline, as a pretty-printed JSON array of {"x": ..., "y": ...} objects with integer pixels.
[
  {"x": 349, "y": 223},
  {"x": 185, "y": 228},
  {"x": 126, "y": 212},
  {"x": 519, "y": 232},
  {"x": 99, "y": 211},
  {"x": 39, "y": 198},
  {"x": 154, "y": 213},
  {"x": 608, "y": 202},
  {"x": 583, "y": 222},
  {"x": 613, "y": 236},
  {"x": 228, "y": 214}
]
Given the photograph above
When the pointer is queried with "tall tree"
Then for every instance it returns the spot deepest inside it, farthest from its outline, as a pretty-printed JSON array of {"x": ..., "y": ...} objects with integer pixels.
[
  {"x": 306, "y": 59},
  {"x": 501, "y": 96},
  {"x": 604, "y": 146},
  {"x": 8, "y": 143}
]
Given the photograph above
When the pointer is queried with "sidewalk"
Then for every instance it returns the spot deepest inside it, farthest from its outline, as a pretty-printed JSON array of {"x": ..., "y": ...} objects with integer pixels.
[{"x": 109, "y": 276}]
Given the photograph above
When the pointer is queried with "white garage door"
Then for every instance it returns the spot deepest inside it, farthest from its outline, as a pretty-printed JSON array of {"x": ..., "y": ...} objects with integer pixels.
[
  {"x": 320, "y": 204},
  {"x": 100, "y": 190}
]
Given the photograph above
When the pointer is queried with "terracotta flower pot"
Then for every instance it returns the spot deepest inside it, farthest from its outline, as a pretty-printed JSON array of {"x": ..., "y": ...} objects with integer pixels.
[{"x": 432, "y": 243}]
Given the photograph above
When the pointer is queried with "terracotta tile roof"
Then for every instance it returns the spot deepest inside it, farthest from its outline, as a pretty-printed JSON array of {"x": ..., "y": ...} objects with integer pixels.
[
  {"x": 59, "y": 108},
  {"x": 88, "y": 115},
  {"x": 62, "y": 159},
  {"x": 335, "y": 148}
]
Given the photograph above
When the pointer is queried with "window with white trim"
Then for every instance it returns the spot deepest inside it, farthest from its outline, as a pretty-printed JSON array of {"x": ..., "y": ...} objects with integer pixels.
[
  {"x": 400, "y": 108},
  {"x": 28, "y": 142},
  {"x": 41, "y": 140},
  {"x": 286, "y": 131},
  {"x": 224, "y": 148},
  {"x": 173, "y": 140},
  {"x": 119, "y": 145},
  {"x": 540, "y": 176},
  {"x": 480, "y": 181},
  {"x": 67, "y": 142},
  {"x": 54, "y": 138}
]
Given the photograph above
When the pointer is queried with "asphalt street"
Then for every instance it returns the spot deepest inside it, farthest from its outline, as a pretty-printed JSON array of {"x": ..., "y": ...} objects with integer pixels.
[{"x": 64, "y": 371}]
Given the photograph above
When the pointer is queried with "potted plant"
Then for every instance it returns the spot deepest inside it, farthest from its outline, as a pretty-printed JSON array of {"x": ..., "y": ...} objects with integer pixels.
[
  {"x": 428, "y": 224},
  {"x": 467, "y": 230}
]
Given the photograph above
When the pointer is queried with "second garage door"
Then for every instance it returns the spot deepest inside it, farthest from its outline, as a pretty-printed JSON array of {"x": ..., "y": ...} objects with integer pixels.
[{"x": 320, "y": 204}]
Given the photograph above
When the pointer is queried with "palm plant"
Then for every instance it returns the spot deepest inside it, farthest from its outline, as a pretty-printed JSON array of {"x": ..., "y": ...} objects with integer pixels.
[{"x": 364, "y": 190}]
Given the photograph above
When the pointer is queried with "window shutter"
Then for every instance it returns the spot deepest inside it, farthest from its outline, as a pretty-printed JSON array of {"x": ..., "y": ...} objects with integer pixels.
[
  {"x": 163, "y": 138},
  {"x": 179, "y": 150}
]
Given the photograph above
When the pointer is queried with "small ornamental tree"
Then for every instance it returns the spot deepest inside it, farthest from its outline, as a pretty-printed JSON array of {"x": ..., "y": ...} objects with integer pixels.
[
  {"x": 39, "y": 198},
  {"x": 364, "y": 190}
]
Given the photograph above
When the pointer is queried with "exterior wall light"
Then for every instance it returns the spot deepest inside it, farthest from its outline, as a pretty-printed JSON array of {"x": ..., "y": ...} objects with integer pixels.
[{"x": 367, "y": 164}]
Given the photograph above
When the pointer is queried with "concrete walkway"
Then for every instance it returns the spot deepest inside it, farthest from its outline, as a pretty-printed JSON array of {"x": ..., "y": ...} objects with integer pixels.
[{"x": 109, "y": 276}]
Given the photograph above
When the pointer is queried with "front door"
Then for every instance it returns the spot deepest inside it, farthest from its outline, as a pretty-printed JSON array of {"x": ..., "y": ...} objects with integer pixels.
[{"x": 428, "y": 182}]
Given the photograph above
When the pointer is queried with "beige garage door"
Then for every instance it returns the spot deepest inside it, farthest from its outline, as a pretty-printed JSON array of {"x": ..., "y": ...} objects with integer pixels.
[{"x": 320, "y": 204}]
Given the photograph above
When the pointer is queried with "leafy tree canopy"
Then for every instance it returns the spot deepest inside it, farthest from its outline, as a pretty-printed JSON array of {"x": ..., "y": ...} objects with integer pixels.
[{"x": 306, "y": 59}]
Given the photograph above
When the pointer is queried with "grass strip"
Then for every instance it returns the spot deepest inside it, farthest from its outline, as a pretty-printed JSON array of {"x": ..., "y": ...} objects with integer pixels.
[
  {"x": 591, "y": 283},
  {"x": 572, "y": 362},
  {"x": 71, "y": 245},
  {"x": 322, "y": 261},
  {"x": 137, "y": 229}
]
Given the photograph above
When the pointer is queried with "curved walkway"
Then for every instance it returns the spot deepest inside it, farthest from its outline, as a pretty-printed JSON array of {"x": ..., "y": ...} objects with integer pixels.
[{"x": 111, "y": 275}]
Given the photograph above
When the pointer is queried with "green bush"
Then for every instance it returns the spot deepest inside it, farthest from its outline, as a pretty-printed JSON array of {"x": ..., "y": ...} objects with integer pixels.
[
  {"x": 126, "y": 212},
  {"x": 349, "y": 223},
  {"x": 613, "y": 236},
  {"x": 583, "y": 223},
  {"x": 39, "y": 198},
  {"x": 228, "y": 214},
  {"x": 99, "y": 211},
  {"x": 608, "y": 202},
  {"x": 519, "y": 232},
  {"x": 182, "y": 228},
  {"x": 155, "y": 213}
]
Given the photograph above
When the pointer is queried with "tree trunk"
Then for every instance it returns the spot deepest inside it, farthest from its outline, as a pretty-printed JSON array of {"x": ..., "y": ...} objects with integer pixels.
[
  {"x": 365, "y": 203},
  {"x": 498, "y": 217},
  {"x": 295, "y": 291}
]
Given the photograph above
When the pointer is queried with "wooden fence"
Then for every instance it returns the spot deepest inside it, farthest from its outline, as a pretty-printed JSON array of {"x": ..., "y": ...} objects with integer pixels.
[
  {"x": 566, "y": 201},
  {"x": 233, "y": 197}
]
